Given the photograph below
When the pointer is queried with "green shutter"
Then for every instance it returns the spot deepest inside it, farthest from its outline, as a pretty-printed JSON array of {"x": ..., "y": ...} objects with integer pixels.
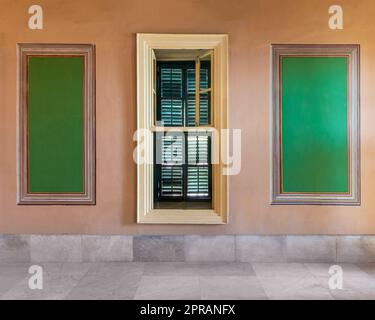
[
  {"x": 198, "y": 179},
  {"x": 172, "y": 159},
  {"x": 198, "y": 166},
  {"x": 171, "y": 86},
  {"x": 171, "y": 181},
  {"x": 191, "y": 103}
]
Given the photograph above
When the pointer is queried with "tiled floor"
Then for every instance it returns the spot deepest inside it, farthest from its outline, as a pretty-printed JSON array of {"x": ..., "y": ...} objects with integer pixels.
[{"x": 187, "y": 281}]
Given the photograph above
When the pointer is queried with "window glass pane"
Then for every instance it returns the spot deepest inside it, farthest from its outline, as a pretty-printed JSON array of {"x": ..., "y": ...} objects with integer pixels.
[
  {"x": 172, "y": 149},
  {"x": 205, "y": 110},
  {"x": 177, "y": 93},
  {"x": 191, "y": 93},
  {"x": 205, "y": 76},
  {"x": 171, "y": 96},
  {"x": 198, "y": 181},
  {"x": 171, "y": 82},
  {"x": 205, "y": 94},
  {"x": 180, "y": 179},
  {"x": 198, "y": 169},
  {"x": 205, "y": 98},
  {"x": 172, "y": 112},
  {"x": 198, "y": 146},
  {"x": 171, "y": 181},
  {"x": 191, "y": 82}
]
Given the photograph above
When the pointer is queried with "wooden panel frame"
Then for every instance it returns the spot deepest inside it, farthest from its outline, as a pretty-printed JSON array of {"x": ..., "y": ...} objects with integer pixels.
[
  {"x": 89, "y": 195},
  {"x": 352, "y": 51},
  {"x": 146, "y": 44}
]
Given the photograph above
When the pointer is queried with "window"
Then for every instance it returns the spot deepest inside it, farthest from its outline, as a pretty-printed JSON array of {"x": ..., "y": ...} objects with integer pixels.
[
  {"x": 182, "y": 106},
  {"x": 183, "y": 160}
]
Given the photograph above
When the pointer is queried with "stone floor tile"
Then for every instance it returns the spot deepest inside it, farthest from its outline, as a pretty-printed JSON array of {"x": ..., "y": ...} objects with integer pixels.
[
  {"x": 231, "y": 288},
  {"x": 168, "y": 288},
  {"x": 58, "y": 280},
  {"x": 108, "y": 281},
  {"x": 11, "y": 275}
]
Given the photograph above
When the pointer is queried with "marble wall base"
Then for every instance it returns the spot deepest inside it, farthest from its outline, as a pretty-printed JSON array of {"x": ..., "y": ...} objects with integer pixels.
[{"x": 189, "y": 248}]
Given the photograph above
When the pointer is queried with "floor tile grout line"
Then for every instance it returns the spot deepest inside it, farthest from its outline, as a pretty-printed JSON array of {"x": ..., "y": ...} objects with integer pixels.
[
  {"x": 15, "y": 286},
  {"x": 235, "y": 248},
  {"x": 317, "y": 281},
  {"x": 81, "y": 278},
  {"x": 78, "y": 281}
]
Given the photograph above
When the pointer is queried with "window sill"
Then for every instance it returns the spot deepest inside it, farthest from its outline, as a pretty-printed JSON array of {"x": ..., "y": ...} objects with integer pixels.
[{"x": 176, "y": 216}]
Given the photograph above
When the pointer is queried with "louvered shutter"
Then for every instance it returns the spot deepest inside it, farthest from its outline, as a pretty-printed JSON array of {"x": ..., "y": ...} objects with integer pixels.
[
  {"x": 190, "y": 97},
  {"x": 171, "y": 96},
  {"x": 172, "y": 160},
  {"x": 198, "y": 167}
]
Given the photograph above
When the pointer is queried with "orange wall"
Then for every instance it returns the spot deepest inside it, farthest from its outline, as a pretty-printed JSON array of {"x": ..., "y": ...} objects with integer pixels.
[{"x": 252, "y": 25}]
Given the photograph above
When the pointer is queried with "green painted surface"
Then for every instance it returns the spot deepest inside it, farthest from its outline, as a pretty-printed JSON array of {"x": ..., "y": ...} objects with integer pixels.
[
  {"x": 56, "y": 124},
  {"x": 315, "y": 124}
]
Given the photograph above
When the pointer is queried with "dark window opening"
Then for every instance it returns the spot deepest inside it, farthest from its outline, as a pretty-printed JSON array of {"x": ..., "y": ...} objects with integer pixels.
[
  {"x": 176, "y": 93},
  {"x": 183, "y": 170}
]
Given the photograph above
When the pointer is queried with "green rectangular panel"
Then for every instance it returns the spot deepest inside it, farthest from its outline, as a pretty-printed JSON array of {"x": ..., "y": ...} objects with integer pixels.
[
  {"x": 55, "y": 124},
  {"x": 314, "y": 125}
]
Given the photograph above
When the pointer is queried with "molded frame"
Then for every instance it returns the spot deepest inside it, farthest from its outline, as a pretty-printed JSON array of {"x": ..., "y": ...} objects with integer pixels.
[
  {"x": 88, "y": 197},
  {"x": 352, "y": 51}
]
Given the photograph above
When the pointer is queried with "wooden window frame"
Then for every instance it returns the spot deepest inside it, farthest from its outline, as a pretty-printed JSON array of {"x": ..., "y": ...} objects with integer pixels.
[
  {"x": 353, "y": 54},
  {"x": 146, "y": 44},
  {"x": 23, "y": 195}
]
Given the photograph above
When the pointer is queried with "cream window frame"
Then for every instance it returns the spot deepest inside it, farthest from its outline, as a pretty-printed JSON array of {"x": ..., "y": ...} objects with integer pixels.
[{"x": 146, "y": 44}]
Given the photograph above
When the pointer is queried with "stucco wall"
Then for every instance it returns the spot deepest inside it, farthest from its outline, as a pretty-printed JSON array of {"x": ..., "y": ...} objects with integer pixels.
[{"x": 252, "y": 25}]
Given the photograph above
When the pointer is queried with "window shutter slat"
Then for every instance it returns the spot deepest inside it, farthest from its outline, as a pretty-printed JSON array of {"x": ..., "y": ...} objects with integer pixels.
[
  {"x": 171, "y": 87},
  {"x": 171, "y": 181},
  {"x": 198, "y": 165},
  {"x": 172, "y": 149},
  {"x": 198, "y": 181},
  {"x": 190, "y": 75}
]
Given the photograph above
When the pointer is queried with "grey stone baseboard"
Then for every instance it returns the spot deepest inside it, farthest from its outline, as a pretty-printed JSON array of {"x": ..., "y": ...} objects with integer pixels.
[{"x": 190, "y": 248}]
